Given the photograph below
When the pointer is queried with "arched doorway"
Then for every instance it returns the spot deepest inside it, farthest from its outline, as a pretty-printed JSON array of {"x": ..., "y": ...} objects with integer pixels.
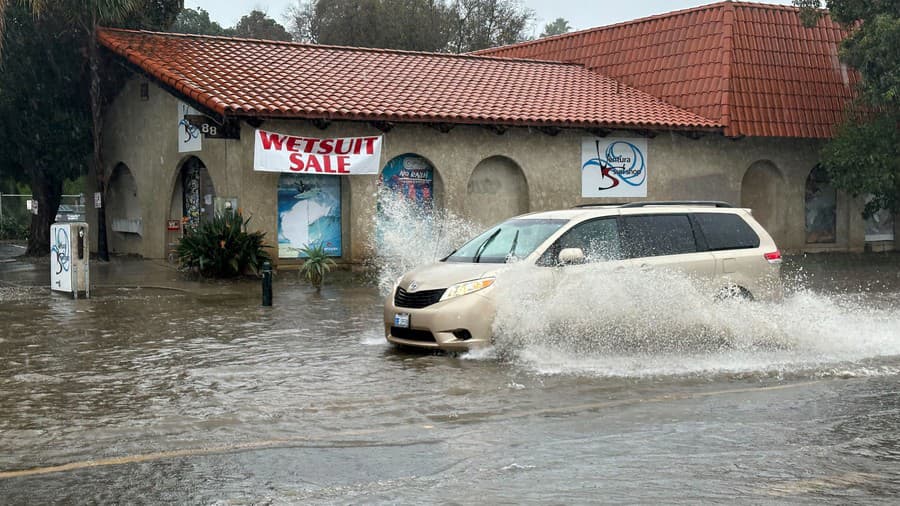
[
  {"x": 124, "y": 211},
  {"x": 821, "y": 208},
  {"x": 762, "y": 191},
  {"x": 193, "y": 198},
  {"x": 496, "y": 190}
]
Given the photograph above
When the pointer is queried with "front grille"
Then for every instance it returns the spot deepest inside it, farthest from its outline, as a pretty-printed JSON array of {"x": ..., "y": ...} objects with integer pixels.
[
  {"x": 413, "y": 334},
  {"x": 417, "y": 300}
]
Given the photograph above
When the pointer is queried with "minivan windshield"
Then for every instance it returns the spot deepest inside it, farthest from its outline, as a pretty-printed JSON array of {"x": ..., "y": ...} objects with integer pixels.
[{"x": 512, "y": 239}]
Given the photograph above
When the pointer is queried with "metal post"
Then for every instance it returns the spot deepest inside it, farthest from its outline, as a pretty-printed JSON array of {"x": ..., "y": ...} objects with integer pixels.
[
  {"x": 267, "y": 284},
  {"x": 87, "y": 281}
]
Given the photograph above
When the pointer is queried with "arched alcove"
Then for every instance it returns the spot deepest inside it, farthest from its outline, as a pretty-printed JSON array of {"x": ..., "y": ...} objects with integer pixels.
[
  {"x": 497, "y": 190},
  {"x": 411, "y": 190},
  {"x": 414, "y": 177},
  {"x": 193, "y": 195},
  {"x": 124, "y": 211},
  {"x": 763, "y": 191},
  {"x": 123, "y": 204}
]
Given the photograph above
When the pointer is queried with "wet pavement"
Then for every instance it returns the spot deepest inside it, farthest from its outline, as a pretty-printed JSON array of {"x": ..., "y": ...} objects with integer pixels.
[{"x": 164, "y": 390}]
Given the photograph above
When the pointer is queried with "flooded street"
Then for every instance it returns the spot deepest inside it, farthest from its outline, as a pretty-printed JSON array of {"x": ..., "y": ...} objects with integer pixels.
[{"x": 166, "y": 396}]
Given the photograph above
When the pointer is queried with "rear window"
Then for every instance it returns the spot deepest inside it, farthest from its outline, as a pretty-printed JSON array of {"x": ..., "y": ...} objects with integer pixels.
[
  {"x": 726, "y": 231},
  {"x": 657, "y": 235}
]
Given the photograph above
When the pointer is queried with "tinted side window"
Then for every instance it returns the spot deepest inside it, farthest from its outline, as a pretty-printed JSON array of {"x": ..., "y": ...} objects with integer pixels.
[
  {"x": 726, "y": 231},
  {"x": 598, "y": 239},
  {"x": 656, "y": 235}
]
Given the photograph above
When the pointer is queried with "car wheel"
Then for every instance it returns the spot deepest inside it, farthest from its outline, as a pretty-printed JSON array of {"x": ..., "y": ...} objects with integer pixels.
[{"x": 734, "y": 292}]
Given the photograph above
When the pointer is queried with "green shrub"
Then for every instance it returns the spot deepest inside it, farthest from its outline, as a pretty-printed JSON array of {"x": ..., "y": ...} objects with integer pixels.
[
  {"x": 315, "y": 265},
  {"x": 13, "y": 228},
  {"x": 222, "y": 247}
]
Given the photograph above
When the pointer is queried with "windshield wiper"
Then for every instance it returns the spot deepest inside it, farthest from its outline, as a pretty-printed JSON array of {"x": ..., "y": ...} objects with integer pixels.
[
  {"x": 484, "y": 245},
  {"x": 512, "y": 249}
]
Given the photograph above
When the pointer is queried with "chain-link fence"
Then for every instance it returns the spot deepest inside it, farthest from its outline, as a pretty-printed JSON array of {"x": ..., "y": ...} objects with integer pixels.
[{"x": 15, "y": 213}]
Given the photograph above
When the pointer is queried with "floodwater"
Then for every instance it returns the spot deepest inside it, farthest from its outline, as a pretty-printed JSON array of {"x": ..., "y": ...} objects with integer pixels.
[{"x": 604, "y": 391}]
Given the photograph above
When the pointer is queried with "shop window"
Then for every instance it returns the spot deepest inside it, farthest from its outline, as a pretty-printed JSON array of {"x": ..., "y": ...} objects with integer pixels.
[
  {"x": 410, "y": 176},
  {"x": 309, "y": 214},
  {"x": 821, "y": 208},
  {"x": 409, "y": 194},
  {"x": 879, "y": 226}
]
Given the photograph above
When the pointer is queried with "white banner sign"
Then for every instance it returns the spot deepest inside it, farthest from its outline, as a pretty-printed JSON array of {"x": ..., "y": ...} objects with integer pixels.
[
  {"x": 274, "y": 152},
  {"x": 613, "y": 167}
]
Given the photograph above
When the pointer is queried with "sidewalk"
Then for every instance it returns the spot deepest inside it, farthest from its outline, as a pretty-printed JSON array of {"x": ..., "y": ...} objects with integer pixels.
[{"x": 119, "y": 272}]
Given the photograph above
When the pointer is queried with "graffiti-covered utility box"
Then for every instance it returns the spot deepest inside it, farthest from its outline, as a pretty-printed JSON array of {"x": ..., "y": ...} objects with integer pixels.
[{"x": 70, "y": 258}]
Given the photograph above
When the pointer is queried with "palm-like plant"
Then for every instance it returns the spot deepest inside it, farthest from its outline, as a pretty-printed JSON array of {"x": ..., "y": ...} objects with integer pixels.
[
  {"x": 35, "y": 6},
  {"x": 222, "y": 247},
  {"x": 315, "y": 266}
]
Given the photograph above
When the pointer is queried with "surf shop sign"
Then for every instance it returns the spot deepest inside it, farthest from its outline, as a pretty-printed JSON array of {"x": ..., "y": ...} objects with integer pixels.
[
  {"x": 274, "y": 152},
  {"x": 613, "y": 167}
]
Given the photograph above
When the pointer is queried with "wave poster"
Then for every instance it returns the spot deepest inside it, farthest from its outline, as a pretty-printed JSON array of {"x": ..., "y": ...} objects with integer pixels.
[{"x": 309, "y": 214}]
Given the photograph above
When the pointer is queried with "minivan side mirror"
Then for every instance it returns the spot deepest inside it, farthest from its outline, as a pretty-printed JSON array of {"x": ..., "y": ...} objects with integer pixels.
[{"x": 570, "y": 256}]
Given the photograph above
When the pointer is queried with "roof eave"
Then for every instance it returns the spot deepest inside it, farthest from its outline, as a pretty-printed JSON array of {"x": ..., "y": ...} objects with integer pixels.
[{"x": 660, "y": 127}]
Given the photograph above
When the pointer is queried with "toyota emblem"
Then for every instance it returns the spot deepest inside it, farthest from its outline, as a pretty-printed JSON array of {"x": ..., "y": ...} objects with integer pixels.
[{"x": 413, "y": 286}]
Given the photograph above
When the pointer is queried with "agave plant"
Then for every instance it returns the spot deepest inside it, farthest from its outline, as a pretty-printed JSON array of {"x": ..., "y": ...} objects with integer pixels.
[
  {"x": 222, "y": 247},
  {"x": 315, "y": 266}
]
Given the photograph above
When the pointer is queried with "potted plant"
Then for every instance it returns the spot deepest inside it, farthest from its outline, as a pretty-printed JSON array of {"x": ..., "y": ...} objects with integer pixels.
[{"x": 316, "y": 264}]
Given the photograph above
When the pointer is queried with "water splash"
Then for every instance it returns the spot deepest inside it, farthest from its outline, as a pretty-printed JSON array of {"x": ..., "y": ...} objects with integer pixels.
[
  {"x": 608, "y": 323},
  {"x": 409, "y": 235},
  {"x": 636, "y": 323}
]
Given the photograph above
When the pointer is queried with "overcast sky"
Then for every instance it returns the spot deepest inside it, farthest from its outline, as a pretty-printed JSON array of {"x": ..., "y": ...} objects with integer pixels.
[{"x": 581, "y": 14}]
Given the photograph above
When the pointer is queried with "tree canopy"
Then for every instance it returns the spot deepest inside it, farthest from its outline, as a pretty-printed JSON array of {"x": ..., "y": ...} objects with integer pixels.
[
  {"x": 52, "y": 89},
  {"x": 558, "y": 26},
  {"x": 418, "y": 25},
  {"x": 255, "y": 25},
  {"x": 44, "y": 113},
  {"x": 864, "y": 156},
  {"x": 196, "y": 21}
]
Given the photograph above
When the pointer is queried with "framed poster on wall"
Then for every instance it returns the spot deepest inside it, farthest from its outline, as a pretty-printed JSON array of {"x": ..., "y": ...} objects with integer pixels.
[
  {"x": 412, "y": 177},
  {"x": 309, "y": 213}
]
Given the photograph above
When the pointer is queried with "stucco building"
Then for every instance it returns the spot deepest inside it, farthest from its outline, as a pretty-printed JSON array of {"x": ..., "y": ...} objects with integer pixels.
[{"x": 730, "y": 101}]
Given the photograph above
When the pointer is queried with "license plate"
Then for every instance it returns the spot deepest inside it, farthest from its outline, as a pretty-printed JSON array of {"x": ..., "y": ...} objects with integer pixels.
[{"x": 401, "y": 320}]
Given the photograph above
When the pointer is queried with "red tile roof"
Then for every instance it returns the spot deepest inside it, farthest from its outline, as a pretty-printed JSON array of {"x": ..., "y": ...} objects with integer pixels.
[
  {"x": 752, "y": 67},
  {"x": 241, "y": 77}
]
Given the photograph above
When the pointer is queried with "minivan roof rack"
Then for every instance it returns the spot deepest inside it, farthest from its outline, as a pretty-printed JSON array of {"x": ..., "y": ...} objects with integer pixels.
[{"x": 714, "y": 203}]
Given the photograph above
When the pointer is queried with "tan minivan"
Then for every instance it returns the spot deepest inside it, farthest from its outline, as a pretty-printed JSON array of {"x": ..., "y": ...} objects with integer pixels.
[{"x": 449, "y": 305}]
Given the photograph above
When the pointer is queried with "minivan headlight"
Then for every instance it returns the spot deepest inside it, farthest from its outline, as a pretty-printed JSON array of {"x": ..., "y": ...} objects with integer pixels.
[{"x": 467, "y": 287}]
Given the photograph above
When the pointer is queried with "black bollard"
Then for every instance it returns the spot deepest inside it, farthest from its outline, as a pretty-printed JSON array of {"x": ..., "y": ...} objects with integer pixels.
[{"x": 267, "y": 284}]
